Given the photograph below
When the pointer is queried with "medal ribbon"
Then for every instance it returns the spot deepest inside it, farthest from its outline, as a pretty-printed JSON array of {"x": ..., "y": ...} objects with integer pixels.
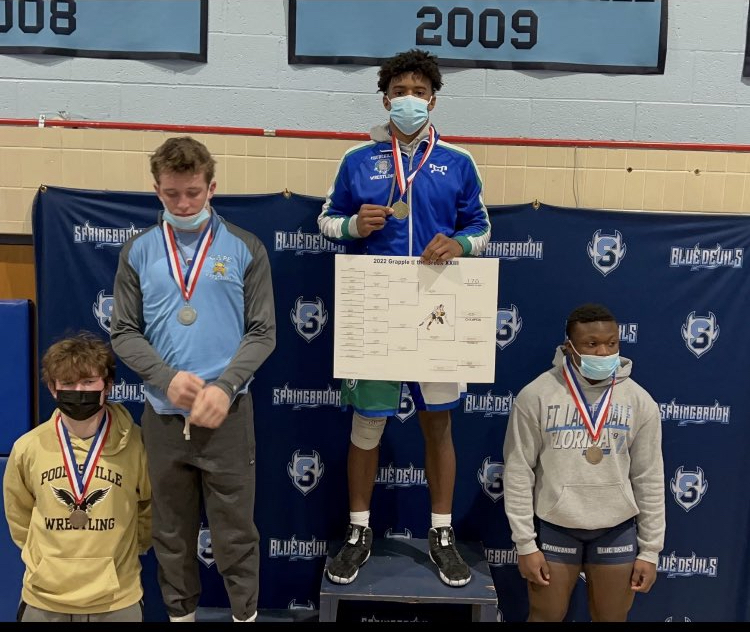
[
  {"x": 600, "y": 414},
  {"x": 403, "y": 182},
  {"x": 79, "y": 481},
  {"x": 187, "y": 282}
]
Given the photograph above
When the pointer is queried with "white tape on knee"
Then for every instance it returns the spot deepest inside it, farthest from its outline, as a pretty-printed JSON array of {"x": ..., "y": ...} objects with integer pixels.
[{"x": 366, "y": 431}]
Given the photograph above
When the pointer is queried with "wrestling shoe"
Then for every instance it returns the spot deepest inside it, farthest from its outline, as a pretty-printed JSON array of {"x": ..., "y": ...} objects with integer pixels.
[
  {"x": 344, "y": 567},
  {"x": 453, "y": 570}
]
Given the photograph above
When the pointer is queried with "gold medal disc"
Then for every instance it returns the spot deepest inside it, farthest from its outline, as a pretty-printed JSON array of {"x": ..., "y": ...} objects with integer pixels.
[{"x": 400, "y": 210}]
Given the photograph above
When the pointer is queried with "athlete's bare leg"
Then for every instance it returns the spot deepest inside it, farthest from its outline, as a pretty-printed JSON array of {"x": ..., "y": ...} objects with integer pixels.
[
  {"x": 610, "y": 595},
  {"x": 550, "y": 603},
  {"x": 440, "y": 458},
  {"x": 362, "y": 468}
]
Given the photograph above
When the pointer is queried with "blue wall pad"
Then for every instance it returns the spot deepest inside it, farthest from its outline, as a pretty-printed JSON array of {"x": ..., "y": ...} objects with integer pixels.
[
  {"x": 15, "y": 371},
  {"x": 12, "y": 567}
]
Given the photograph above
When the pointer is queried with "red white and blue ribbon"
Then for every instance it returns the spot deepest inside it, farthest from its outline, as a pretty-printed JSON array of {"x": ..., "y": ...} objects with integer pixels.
[
  {"x": 79, "y": 481},
  {"x": 403, "y": 182},
  {"x": 595, "y": 425},
  {"x": 187, "y": 282}
]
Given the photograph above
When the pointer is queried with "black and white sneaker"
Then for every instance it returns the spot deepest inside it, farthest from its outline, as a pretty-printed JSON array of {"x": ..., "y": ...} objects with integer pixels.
[
  {"x": 344, "y": 567},
  {"x": 453, "y": 570}
]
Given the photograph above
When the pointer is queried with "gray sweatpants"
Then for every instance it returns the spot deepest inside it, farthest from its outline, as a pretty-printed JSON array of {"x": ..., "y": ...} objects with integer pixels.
[{"x": 219, "y": 465}]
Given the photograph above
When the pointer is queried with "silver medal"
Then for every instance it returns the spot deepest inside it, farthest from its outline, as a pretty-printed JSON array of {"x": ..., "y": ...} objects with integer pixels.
[{"x": 187, "y": 315}]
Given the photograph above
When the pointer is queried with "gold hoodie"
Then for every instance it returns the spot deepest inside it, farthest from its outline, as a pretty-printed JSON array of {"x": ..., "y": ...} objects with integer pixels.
[{"x": 96, "y": 568}]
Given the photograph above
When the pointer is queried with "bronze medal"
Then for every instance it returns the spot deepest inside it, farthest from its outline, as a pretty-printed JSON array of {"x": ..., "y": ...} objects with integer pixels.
[
  {"x": 400, "y": 210},
  {"x": 78, "y": 519},
  {"x": 594, "y": 454},
  {"x": 187, "y": 315}
]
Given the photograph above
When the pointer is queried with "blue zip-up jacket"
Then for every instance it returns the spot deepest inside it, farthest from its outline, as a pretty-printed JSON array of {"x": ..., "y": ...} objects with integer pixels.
[
  {"x": 445, "y": 196},
  {"x": 235, "y": 330}
]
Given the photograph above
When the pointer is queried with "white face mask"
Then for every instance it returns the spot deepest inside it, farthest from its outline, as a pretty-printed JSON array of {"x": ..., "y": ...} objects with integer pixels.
[{"x": 597, "y": 367}]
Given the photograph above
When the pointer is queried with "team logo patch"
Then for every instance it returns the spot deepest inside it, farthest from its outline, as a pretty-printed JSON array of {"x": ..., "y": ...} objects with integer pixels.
[
  {"x": 688, "y": 487},
  {"x": 700, "y": 333},
  {"x": 490, "y": 477},
  {"x": 309, "y": 318},
  {"x": 383, "y": 166},
  {"x": 509, "y": 323},
  {"x": 102, "y": 309},
  {"x": 205, "y": 550},
  {"x": 606, "y": 251},
  {"x": 305, "y": 470}
]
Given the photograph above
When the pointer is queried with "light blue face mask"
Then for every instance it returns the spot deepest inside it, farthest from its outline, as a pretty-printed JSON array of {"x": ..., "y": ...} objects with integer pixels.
[
  {"x": 597, "y": 367},
  {"x": 192, "y": 222},
  {"x": 409, "y": 113}
]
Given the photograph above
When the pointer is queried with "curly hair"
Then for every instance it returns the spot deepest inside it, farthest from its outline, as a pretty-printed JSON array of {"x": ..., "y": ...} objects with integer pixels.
[
  {"x": 77, "y": 357},
  {"x": 417, "y": 61},
  {"x": 588, "y": 313},
  {"x": 182, "y": 154}
]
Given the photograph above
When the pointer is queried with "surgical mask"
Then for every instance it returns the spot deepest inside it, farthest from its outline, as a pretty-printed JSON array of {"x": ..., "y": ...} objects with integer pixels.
[
  {"x": 79, "y": 405},
  {"x": 409, "y": 113},
  {"x": 192, "y": 222},
  {"x": 597, "y": 367}
]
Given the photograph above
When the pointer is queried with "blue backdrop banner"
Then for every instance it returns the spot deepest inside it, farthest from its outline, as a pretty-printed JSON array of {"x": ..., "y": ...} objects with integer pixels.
[
  {"x": 122, "y": 29},
  {"x": 675, "y": 282},
  {"x": 625, "y": 36}
]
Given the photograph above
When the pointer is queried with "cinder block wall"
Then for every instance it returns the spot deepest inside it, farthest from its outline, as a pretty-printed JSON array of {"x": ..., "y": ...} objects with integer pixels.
[{"x": 631, "y": 179}]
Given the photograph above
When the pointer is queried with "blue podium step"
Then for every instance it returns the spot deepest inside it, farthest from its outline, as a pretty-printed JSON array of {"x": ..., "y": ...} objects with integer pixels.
[{"x": 400, "y": 570}]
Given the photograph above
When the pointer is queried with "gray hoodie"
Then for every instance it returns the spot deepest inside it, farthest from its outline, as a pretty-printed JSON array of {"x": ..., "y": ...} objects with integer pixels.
[{"x": 546, "y": 473}]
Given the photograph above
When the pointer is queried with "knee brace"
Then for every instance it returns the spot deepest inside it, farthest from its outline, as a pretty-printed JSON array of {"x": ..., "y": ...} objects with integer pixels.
[{"x": 366, "y": 431}]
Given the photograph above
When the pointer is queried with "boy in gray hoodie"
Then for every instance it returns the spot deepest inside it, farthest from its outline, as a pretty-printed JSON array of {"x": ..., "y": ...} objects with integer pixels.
[{"x": 584, "y": 476}]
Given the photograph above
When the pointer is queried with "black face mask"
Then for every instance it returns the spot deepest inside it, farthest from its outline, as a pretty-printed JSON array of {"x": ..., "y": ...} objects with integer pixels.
[{"x": 79, "y": 405}]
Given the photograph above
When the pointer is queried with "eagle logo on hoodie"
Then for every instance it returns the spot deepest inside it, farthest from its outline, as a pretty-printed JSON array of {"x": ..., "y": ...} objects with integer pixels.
[{"x": 67, "y": 498}]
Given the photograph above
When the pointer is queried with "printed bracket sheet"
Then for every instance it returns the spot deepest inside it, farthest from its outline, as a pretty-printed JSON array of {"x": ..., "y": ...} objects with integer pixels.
[{"x": 397, "y": 318}]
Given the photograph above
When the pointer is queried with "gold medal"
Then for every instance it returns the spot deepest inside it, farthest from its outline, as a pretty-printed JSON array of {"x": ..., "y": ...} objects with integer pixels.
[
  {"x": 400, "y": 210},
  {"x": 78, "y": 519},
  {"x": 594, "y": 454}
]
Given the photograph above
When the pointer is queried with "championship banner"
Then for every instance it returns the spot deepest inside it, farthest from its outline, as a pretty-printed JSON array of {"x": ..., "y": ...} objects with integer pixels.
[
  {"x": 112, "y": 29},
  {"x": 618, "y": 36},
  {"x": 746, "y": 65}
]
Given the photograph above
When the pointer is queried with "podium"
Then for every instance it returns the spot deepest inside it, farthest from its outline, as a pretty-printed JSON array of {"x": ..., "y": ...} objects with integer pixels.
[{"x": 400, "y": 570}]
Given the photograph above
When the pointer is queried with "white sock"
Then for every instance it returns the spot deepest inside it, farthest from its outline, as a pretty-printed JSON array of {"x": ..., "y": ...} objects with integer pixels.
[
  {"x": 248, "y": 620},
  {"x": 362, "y": 518},
  {"x": 440, "y": 520},
  {"x": 187, "y": 618}
]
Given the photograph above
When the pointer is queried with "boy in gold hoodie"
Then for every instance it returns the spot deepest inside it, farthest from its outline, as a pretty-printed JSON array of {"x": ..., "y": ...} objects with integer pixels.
[{"x": 77, "y": 495}]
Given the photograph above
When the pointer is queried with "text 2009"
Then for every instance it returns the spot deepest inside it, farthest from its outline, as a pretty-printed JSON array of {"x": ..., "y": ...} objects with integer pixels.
[{"x": 490, "y": 30}]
